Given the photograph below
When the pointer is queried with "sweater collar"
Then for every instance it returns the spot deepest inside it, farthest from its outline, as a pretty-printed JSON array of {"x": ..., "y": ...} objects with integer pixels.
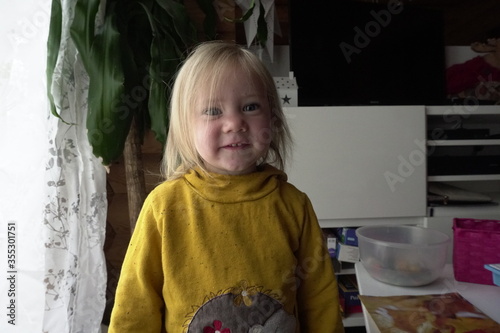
[{"x": 235, "y": 188}]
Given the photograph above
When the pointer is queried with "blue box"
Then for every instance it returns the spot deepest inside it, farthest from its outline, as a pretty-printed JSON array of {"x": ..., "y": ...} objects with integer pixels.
[
  {"x": 495, "y": 268},
  {"x": 348, "y": 236},
  {"x": 348, "y": 289}
]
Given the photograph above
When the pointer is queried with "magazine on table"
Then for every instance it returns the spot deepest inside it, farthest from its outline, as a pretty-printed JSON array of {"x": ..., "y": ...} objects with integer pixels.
[{"x": 448, "y": 313}]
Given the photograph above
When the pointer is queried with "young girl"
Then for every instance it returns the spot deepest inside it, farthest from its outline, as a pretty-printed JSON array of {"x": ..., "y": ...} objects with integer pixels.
[{"x": 225, "y": 244}]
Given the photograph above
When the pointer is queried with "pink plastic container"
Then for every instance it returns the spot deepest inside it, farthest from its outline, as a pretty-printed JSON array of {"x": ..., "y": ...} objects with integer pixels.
[{"x": 475, "y": 243}]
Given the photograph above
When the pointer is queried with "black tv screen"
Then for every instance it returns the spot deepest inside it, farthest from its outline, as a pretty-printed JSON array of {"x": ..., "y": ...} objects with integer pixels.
[{"x": 358, "y": 53}]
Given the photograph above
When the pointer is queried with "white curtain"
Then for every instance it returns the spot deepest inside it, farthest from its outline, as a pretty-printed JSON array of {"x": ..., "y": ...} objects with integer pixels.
[
  {"x": 23, "y": 146},
  {"x": 52, "y": 187},
  {"x": 76, "y": 206}
]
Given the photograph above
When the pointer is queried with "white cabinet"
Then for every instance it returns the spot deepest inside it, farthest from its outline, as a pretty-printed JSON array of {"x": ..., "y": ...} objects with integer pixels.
[
  {"x": 360, "y": 165},
  {"x": 365, "y": 162}
]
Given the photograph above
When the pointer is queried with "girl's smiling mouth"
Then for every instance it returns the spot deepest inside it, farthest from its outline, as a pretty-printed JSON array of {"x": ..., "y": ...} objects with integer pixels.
[{"x": 236, "y": 145}]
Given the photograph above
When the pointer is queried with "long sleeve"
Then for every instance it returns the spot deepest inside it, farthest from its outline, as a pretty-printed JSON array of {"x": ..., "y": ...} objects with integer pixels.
[
  {"x": 139, "y": 304},
  {"x": 318, "y": 300}
]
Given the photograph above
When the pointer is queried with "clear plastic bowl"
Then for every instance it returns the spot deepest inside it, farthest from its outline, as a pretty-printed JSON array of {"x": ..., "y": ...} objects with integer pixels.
[{"x": 402, "y": 255}]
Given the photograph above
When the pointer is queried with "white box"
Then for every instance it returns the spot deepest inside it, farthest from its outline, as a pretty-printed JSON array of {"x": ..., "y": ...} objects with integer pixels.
[
  {"x": 287, "y": 90},
  {"x": 347, "y": 253}
]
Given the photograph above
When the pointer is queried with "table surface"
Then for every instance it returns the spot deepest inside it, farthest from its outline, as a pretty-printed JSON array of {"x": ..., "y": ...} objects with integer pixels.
[{"x": 484, "y": 297}]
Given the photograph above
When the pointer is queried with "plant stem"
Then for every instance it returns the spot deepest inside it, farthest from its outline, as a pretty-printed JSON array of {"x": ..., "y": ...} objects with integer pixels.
[{"x": 134, "y": 174}]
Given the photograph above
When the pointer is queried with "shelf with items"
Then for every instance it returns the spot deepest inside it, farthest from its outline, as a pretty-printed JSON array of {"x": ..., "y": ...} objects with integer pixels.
[
  {"x": 463, "y": 150},
  {"x": 347, "y": 268},
  {"x": 491, "y": 208},
  {"x": 465, "y": 160},
  {"x": 459, "y": 122},
  {"x": 341, "y": 243},
  {"x": 349, "y": 298},
  {"x": 463, "y": 143}
]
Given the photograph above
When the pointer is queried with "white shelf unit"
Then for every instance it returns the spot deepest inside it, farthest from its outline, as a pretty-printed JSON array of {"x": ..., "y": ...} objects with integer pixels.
[
  {"x": 464, "y": 135},
  {"x": 342, "y": 155},
  {"x": 485, "y": 118}
]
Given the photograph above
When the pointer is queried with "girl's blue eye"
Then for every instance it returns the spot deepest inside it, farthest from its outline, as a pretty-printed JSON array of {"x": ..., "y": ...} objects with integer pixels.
[
  {"x": 251, "y": 107},
  {"x": 212, "y": 112}
]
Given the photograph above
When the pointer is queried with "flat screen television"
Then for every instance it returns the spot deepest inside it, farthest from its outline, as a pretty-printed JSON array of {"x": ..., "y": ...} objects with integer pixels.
[{"x": 362, "y": 53}]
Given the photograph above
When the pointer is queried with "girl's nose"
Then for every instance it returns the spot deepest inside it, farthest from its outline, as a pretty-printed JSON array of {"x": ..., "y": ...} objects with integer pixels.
[{"x": 235, "y": 122}]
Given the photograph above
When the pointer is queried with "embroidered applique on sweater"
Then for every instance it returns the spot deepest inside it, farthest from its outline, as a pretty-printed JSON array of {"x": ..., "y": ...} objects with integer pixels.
[{"x": 242, "y": 309}]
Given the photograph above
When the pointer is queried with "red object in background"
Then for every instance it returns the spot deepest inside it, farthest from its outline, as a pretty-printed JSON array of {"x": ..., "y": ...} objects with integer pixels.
[{"x": 467, "y": 76}]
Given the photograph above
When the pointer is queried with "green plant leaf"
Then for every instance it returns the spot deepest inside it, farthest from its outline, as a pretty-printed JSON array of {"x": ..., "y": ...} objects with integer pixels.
[
  {"x": 53, "y": 44},
  {"x": 245, "y": 16},
  {"x": 164, "y": 64},
  {"x": 82, "y": 29},
  {"x": 136, "y": 36},
  {"x": 181, "y": 22},
  {"x": 109, "y": 116},
  {"x": 165, "y": 59},
  {"x": 136, "y": 49}
]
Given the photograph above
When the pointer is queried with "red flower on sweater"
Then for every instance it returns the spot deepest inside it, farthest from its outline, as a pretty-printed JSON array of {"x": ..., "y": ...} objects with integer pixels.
[{"x": 217, "y": 328}]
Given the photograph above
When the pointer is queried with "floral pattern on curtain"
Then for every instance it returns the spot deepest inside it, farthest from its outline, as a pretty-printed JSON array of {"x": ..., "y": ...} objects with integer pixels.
[{"x": 76, "y": 205}]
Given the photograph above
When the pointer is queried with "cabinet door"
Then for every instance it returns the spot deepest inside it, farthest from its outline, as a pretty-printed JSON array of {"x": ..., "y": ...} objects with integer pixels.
[{"x": 360, "y": 162}]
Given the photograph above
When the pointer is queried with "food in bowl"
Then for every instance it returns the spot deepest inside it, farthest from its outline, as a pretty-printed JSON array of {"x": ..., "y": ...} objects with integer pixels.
[{"x": 403, "y": 255}]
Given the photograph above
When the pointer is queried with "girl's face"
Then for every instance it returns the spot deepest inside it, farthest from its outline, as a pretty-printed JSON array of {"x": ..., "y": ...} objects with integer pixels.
[{"x": 232, "y": 128}]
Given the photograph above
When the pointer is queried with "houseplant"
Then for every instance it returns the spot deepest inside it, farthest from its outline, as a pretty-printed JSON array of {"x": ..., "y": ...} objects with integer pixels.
[{"x": 131, "y": 50}]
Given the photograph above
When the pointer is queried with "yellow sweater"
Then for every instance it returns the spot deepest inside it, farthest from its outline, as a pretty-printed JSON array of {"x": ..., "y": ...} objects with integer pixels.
[{"x": 229, "y": 254}]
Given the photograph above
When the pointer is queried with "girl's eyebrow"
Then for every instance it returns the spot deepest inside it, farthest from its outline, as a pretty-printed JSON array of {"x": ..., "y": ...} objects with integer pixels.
[
  {"x": 209, "y": 102},
  {"x": 217, "y": 101}
]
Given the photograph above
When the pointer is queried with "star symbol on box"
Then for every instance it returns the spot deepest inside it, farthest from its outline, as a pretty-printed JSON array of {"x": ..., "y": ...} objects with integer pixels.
[{"x": 286, "y": 99}]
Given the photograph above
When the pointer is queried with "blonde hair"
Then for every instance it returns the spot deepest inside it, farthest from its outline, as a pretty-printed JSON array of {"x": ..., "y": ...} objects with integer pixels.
[{"x": 205, "y": 67}]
